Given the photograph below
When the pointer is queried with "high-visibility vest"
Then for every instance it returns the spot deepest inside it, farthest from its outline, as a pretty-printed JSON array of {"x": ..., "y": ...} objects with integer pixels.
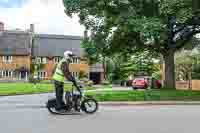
[{"x": 58, "y": 74}]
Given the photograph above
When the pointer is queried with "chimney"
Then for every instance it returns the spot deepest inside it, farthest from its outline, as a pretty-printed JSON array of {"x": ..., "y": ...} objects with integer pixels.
[
  {"x": 1, "y": 26},
  {"x": 32, "y": 28}
]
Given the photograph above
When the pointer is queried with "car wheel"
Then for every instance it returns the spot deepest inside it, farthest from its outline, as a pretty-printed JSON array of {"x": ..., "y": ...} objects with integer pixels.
[{"x": 145, "y": 87}]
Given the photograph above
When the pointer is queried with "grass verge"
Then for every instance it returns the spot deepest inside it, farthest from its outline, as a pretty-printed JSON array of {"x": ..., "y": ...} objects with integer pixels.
[
  {"x": 150, "y": 95},
  {"x": 27, "y": 88},
  {"x": 109, "y": 95}
]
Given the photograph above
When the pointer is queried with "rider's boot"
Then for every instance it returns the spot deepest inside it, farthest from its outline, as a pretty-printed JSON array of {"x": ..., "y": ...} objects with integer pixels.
[{"x": 62, "y": 107}]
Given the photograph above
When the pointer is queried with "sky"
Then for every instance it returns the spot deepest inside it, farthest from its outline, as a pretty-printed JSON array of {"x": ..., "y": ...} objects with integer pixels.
[{"x": 47, "y": 15}]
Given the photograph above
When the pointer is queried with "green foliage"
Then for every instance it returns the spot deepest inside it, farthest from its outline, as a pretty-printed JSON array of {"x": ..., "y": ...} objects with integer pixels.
[
  {"x": 135, "y": 21},
  {"x": 90, "y": 52},
  {"x": 32, "y": 68},
  {"x": 196, "y": 72},
  {"x": 31, "y": 79},
  {"x": 157, "y": 75},
  {"x": 105, "y": 82},
  {"x": 144, "y": 62},
  {"x": 39, "y": 67},
  {"x": 186, "y": 62},
  {"x": 196, "y": 6},
  {"x": 129, "y": 26},
  {"x": 82, "y": 75},
  {"x": 120, "y": 68},
  {"x": 89, "y": 83},
  {"x": 138, "y": 62}
]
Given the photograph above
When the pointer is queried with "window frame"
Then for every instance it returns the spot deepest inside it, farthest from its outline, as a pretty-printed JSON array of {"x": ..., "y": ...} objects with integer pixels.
[
  {"x": 7, "y": 59},
  {"x": 6, "y": 74},
  {"x": 56, "y": 59},
  {"x": 42, "y": 74}
]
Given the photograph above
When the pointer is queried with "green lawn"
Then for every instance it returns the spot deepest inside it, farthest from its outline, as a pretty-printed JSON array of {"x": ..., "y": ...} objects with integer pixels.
[
  {"x": 109, "y": 95},
  {"x": 150, "y": 95},
  {"x": 27, "y": 88}
]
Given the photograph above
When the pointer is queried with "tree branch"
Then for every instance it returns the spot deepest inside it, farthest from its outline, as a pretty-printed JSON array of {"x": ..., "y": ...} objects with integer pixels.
[{"x": 186, "y": 40}]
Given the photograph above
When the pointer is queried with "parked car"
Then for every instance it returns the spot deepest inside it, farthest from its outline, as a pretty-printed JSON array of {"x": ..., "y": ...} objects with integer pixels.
[
  {"x": 140, "y": 83},
  {"x": 129, "y": 83},
  {"x": 158, "y": 84}
]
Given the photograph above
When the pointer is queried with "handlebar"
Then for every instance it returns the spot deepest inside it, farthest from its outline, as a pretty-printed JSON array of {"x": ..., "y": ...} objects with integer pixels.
[{"x": 78, "y": 87}]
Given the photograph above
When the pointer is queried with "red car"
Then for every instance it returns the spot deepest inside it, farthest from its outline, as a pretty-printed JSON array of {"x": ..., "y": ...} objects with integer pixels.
[
  {"x": 140, "y": 83},
  {"x": 158, "y": 84}
]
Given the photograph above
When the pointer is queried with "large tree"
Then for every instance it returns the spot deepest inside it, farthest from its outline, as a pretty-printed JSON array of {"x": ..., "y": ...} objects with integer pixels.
[
  {"x": 96, "y": 49},
  {"x": 132, "y": 25}
]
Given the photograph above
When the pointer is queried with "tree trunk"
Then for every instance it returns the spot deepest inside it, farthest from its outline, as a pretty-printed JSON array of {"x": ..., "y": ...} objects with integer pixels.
[
  {"x": 104, "y": 68},
  {"x": 169, "y": 80},
  {"x": 190, "y": 77}
]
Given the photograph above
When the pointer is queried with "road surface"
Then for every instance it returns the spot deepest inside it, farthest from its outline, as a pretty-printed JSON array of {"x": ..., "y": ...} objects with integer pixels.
[{"x": 26, "y": 114}]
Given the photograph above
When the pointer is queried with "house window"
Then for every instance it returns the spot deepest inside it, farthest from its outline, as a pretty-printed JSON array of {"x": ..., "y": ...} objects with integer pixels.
[
  {"x": 39, "y": 60},
  {"x": 78, "y": 60},
  {"x": 75, "y": 60},
  {"x": 33, "y": 60},
  {"x": 6, "y": 74},
  {"x": 42, "y": 60},
  {"x": 56, "y": 59},
  {"x": 7, "y": 59},
  {"x": 42, "y": 74},
  {"x": 75, "y": 74}
]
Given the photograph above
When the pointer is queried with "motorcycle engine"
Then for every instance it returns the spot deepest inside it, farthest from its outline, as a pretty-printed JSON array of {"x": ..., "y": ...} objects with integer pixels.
[{"x": 68, "y": 98}]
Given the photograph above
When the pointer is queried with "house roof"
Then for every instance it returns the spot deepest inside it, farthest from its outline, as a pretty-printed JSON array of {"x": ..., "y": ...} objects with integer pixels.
[
  {"x": 55, "y": 45},
  {"x": 19, "y": 43},
  {"x": 14, "y": 43}
]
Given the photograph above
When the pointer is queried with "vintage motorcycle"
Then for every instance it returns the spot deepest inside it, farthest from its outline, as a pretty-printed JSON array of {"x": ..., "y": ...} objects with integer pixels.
[{"x": 75, "y": 102}]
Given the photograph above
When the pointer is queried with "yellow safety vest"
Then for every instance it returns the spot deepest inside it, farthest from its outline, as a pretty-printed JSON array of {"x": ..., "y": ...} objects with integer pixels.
[{"x": 58, "y": 74}]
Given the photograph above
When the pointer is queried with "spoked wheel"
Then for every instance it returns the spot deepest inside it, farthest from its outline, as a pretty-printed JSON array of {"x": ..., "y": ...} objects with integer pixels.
[
  {"x": 51, "y": 104},
  {"x": 89, "y": 105}
]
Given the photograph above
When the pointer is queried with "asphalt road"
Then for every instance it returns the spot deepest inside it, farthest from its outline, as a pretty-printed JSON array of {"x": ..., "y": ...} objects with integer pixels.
[{"x": 24, "y": 114}]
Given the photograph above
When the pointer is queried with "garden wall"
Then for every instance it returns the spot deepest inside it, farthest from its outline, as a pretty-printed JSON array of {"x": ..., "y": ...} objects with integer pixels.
[{"x": 184, "y": 85}]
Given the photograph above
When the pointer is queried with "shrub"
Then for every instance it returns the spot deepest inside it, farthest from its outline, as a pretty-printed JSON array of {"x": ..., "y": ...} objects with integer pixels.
[
  {"x": 157, "y": 75},
  {"x": 150, "y": 95},
  {"x": 33, "y": 80},
  {"x": 89, "y": 83},
  {"x": 105, "y": 82},
  {"x": 82, "y": 75},
  {"x": 117, "y": 82}
]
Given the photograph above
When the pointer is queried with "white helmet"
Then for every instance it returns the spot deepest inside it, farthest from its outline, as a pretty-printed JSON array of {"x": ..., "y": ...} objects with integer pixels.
[{"x": 68, "y": 55}]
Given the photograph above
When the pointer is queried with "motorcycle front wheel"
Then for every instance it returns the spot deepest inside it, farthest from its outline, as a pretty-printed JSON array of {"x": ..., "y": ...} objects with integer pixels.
[{"x": 89, "y": 105}]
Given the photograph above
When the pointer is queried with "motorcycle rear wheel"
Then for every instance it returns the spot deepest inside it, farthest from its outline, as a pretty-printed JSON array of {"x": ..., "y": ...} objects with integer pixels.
[{"x": 51, "y": 104}]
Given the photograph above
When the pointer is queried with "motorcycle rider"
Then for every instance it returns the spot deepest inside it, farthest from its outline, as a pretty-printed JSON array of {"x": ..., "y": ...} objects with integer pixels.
[{"x": 61, "y": 72}]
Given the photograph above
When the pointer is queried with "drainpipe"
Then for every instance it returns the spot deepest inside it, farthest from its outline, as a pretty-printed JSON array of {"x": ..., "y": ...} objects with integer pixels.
[
  {"x": 32, "y": 31},
  {"x": 26, "y": 76}
]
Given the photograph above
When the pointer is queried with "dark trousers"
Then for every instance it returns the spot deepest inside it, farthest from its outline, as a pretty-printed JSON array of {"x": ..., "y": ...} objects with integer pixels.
[{"x": 59, "y": 93}]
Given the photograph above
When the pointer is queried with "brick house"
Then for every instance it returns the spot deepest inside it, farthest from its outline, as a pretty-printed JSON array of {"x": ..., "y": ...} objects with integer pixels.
[
  {"x": 15, "y": 53},
  {"x": 49, "y": 49},
  {"x": 20, "y": 50}
]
